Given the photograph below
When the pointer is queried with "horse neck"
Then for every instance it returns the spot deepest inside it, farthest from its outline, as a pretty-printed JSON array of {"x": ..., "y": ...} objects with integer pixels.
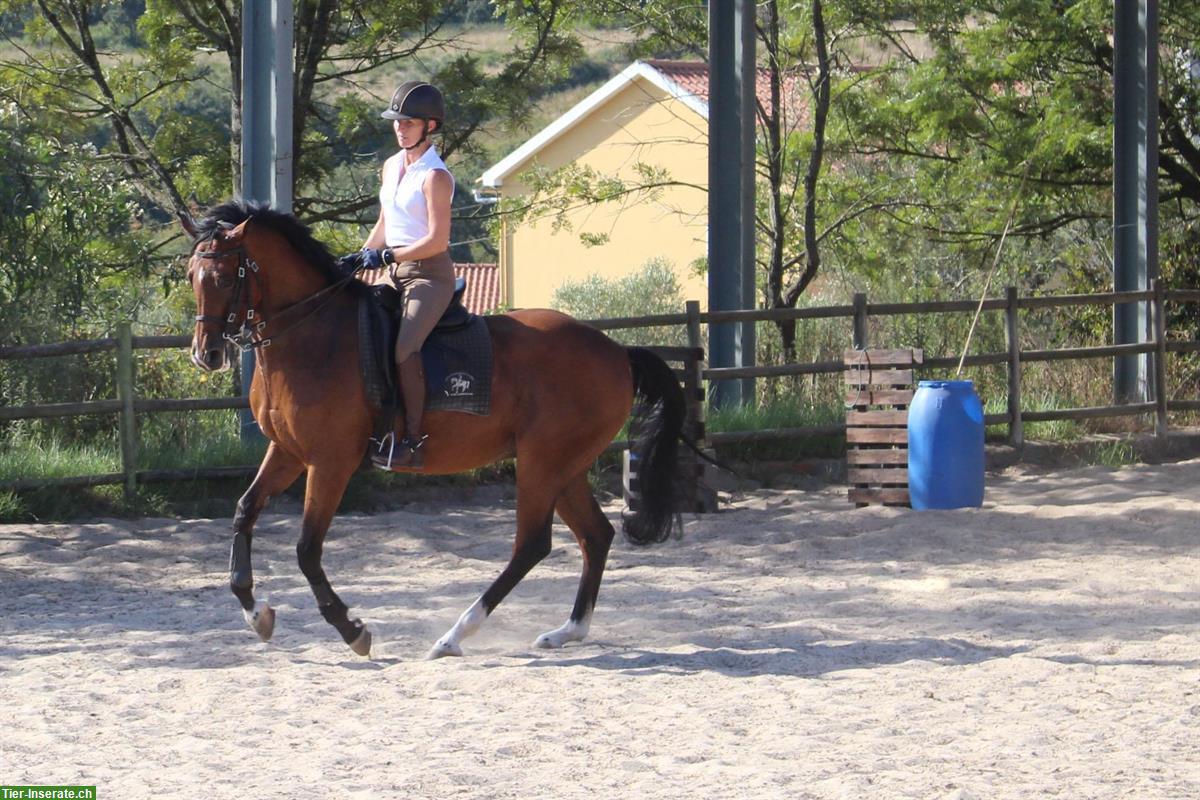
[
  {"x": 311, "y": 335},
  {"x": 286, "y": 278}
]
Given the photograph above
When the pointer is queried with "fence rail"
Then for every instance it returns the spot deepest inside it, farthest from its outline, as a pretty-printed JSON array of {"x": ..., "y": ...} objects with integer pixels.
[{"x": 127, "y": 405}]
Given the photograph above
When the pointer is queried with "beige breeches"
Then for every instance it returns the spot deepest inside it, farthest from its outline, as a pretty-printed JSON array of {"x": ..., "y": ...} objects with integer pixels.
[{"x": 428, "y": 286}]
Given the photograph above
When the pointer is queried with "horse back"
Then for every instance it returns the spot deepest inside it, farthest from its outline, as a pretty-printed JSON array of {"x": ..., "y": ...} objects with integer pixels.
[
  {"x": 558, "y": 368},
  {"x": 549, "y": 339}
]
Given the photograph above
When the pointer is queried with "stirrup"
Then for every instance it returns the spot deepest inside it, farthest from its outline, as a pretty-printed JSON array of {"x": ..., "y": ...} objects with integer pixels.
[{"x": 402, "y": 454}]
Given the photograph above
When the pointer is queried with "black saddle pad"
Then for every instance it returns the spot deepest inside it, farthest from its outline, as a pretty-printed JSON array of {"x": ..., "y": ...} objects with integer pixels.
[
  {"x": 458, "y": 368},
  {"x": 457, "y": 358}
]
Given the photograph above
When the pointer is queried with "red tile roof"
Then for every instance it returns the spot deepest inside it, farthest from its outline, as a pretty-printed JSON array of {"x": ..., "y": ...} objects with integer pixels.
[
  {"x": 692, "y": 77},
  {"x": 483, "y": 286}
]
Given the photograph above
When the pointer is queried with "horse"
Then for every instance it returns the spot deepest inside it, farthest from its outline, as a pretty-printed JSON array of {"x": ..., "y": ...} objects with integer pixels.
[{"x": 561, "y": 391}]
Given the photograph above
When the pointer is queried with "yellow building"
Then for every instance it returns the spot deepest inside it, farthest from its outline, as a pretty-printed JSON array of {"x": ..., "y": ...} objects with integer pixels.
[{"x": 654, "y": 113}]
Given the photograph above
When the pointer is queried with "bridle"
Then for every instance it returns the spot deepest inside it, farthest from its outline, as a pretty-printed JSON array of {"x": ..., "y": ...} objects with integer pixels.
[{"x": 244, "y": 324}]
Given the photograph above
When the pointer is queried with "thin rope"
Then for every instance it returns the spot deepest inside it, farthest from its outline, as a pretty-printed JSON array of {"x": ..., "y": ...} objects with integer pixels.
[{"x": 1012, "y": 211}]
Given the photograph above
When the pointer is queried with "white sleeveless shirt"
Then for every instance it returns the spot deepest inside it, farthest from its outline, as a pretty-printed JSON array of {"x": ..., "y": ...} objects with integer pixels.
[{"x": 402, "y": 197}]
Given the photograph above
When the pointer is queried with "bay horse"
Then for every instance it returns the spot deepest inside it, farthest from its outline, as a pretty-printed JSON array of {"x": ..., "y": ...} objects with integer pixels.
[{"x": 561, "y": 391}]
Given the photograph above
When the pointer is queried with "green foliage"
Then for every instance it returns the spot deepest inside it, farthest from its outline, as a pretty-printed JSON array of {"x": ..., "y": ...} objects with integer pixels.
[
  {"x": 778, "y": 414},
  {"x": 54, "y": 458},
  {"x": 654, "y": 289},
  {"x": 12, "y": 508},
  {"x": 1114, "y": 454},
  {"x": 554, "y": 194},
  {"x": 68, "y": 259}
]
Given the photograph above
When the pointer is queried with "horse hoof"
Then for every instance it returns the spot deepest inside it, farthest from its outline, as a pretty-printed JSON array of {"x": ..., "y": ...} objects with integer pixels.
[
  {"x": 262, "y": 622},
  {"x": 443, "y": 649},
  {"x": 557, "y": 638},
  {"x": 362, "y": 645}
]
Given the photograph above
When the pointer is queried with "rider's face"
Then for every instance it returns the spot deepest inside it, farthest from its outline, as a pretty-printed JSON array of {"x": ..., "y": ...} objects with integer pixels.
[{"x": 408, "y": 131}]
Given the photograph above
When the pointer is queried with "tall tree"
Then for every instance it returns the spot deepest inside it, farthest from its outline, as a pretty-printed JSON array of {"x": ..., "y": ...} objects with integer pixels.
[
  {"x": 982, "y": 99},
  {"x": 148, "y": 97}
]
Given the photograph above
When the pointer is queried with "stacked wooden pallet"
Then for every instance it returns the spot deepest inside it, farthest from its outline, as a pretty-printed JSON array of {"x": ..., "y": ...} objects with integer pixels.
[{"x": 879, "y": 389}]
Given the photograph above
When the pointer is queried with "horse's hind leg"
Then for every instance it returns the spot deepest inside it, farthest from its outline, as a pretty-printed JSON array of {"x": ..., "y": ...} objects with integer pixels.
[
  {"x": 322, "y": 495},
  {"x": 276, "y": 473},
  {"x": 577, "y": 507},
  {"x": 535, "y": 512}
]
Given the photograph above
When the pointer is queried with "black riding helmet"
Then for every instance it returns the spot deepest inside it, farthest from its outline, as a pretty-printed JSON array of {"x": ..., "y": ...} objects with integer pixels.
[{"x": 416, "y": 100}]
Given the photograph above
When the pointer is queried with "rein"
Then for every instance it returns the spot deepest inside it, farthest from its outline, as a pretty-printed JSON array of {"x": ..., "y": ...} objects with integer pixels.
[{"x": 249, "y": 336}]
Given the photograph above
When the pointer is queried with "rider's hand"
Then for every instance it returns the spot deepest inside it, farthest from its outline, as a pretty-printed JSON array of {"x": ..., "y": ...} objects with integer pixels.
[
  {"x": 350, "y": 263},
  {"x": 372, "y": 258}
]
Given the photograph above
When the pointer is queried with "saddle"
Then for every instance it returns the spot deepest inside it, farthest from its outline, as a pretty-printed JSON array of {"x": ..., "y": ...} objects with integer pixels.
[{"x": 457, "y": 357}]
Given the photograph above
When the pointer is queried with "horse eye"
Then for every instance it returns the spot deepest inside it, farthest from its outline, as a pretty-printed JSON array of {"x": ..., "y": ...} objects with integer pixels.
[{"x": 222, "y": 281}]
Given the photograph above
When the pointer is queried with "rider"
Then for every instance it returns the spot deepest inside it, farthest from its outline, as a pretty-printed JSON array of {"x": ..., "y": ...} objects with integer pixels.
[{"x": 407, "y": 248}]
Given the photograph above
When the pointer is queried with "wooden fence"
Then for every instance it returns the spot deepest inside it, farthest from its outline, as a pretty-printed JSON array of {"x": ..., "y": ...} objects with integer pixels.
[{"x": 127, "y": 405}]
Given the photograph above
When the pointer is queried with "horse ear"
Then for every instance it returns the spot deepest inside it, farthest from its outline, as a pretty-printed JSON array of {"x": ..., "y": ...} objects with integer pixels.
[{"x": 188, "y": 224}]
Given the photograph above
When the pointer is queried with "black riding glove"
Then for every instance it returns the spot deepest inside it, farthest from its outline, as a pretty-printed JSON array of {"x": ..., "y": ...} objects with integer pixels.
[{"x": 372, "y": 258}]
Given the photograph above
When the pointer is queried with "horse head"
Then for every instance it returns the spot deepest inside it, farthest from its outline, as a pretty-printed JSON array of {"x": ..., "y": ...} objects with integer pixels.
[
  {"x": 224, "y": 281},
  {"x": 236, "y": 246}
]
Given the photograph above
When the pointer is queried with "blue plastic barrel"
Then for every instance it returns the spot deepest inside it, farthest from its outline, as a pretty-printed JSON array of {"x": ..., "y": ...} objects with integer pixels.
[{"x": 945, "y": 446}]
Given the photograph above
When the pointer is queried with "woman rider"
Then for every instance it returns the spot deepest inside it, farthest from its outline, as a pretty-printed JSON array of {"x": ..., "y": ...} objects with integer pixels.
[{"x": 408, "y": 246}]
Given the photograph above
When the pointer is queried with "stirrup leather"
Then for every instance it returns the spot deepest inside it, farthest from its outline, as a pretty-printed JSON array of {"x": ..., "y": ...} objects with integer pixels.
[{"x": 391, "y": 453}]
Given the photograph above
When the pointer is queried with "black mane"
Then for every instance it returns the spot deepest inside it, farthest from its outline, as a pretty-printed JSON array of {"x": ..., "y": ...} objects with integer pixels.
[{"x": 237, "y": 211}]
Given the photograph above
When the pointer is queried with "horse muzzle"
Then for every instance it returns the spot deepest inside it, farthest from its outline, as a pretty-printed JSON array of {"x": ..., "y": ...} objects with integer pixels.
[{"x": 209, "y": 353}]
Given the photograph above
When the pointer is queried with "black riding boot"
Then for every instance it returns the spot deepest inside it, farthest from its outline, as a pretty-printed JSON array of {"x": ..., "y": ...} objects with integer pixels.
[{"x": 406, "y": 453}]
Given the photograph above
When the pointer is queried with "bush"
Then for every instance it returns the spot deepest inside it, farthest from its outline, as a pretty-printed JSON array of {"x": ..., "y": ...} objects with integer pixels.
[{"x": 652, "y": 290}]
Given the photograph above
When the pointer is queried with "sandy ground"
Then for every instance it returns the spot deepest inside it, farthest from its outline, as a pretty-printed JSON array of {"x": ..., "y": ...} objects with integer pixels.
[{"x": 790, "y": 646}]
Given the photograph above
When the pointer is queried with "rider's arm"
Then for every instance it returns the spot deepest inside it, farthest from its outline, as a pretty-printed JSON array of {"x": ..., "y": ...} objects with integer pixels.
[{"x": 376, "y": 239}]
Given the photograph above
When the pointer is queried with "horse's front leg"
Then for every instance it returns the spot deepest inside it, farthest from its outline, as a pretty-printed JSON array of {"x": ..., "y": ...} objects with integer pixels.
[
  {"x": 276, "y": 473},
  {"x": 321, "y": 498}
]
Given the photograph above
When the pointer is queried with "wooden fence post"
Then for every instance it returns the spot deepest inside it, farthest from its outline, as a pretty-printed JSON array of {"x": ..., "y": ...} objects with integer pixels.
[
  {"x": 860, "y": 320},
  {"x": 696, "y": 400},
  {"x": 1016, "y": 428},
  {"x": 1160, "y": 359},
  {"x": 693, "y": 324},
  {"x": 128, "y": 426}
]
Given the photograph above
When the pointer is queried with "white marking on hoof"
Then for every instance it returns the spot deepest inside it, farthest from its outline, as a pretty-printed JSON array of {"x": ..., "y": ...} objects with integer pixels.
[
  {"x": 261, "y": 620},
  {"x": 571, "y": 632},
  {"x": 362, "y": 645},
  {"x": 470, "y": 622},
  {"x": 442, "y": 649}
]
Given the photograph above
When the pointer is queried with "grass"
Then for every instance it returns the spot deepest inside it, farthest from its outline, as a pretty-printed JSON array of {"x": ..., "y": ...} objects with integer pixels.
[
  {"x": 1055, "y": 430},
  {"x": 1112, "y": 454},
  {"x": 781, "y": 413},
  {"x": 218, "y": 452},
  {"x": 54, "y": 459},
  {"x": 211, "y": 446}
]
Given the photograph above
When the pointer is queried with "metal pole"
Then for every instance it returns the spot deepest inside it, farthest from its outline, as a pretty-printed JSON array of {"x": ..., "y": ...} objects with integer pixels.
[
  {"x": 748, "y": 66},
  {"x": 267, "y": 87},
  {"x": 729, "y": 75},
  {"x": 1135, "y": 186}
]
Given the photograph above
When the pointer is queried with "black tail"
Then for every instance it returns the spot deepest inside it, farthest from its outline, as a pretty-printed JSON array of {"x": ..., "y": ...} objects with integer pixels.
[{"x": 655, "y": 432}]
